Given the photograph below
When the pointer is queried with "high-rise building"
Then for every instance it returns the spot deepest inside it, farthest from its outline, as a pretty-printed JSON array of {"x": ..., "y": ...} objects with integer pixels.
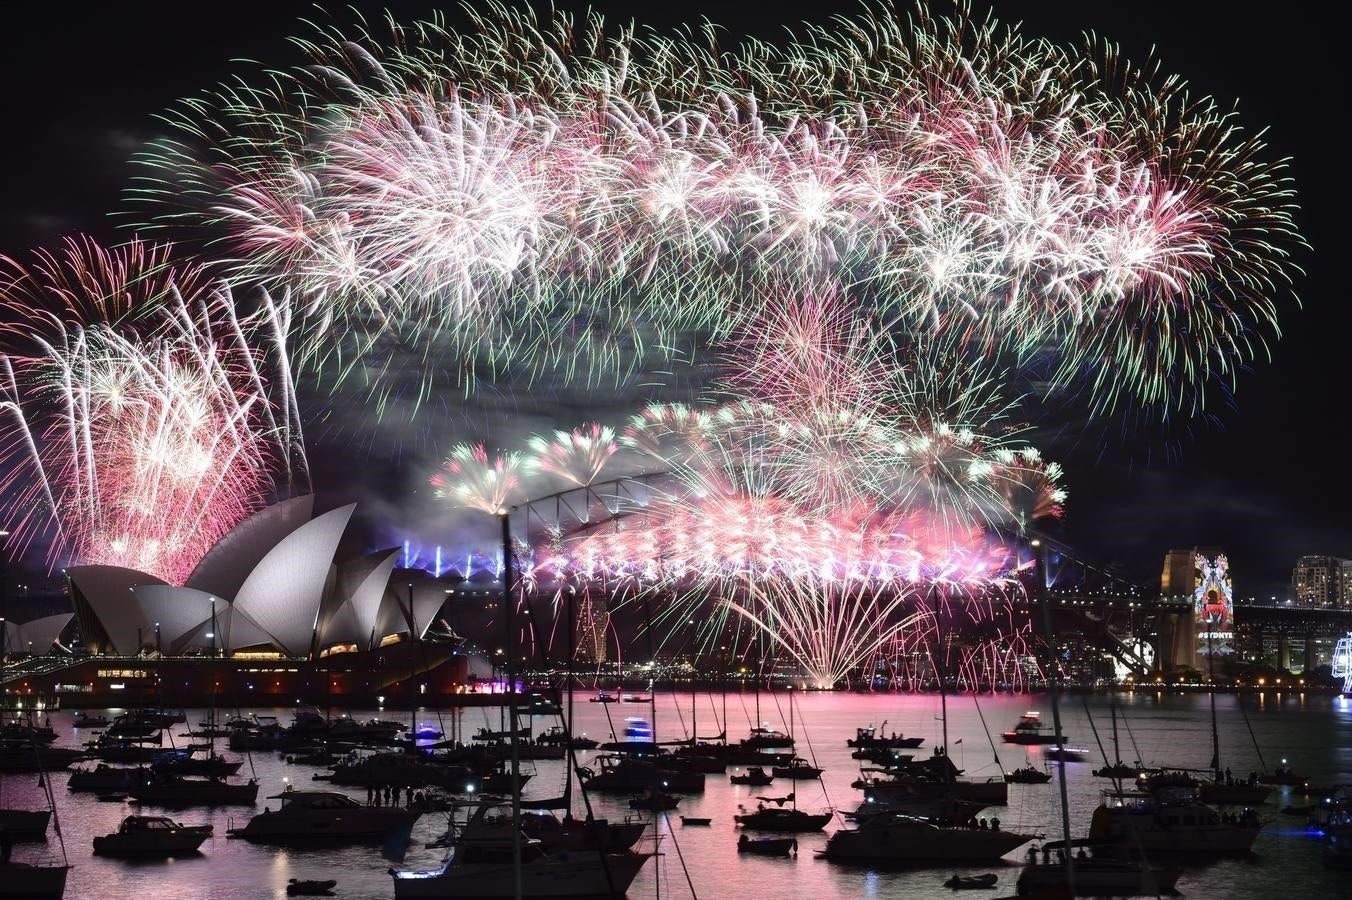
[
  {"x": 1322, "y": 581},
  {"x": 591, "y": 620}
]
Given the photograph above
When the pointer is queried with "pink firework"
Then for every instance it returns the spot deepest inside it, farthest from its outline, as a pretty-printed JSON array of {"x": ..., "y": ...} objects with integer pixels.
[
  {"x": 470, "y": 478},
  {"x": 139, "y": 447},
  {"x": 577, "y": 456}
]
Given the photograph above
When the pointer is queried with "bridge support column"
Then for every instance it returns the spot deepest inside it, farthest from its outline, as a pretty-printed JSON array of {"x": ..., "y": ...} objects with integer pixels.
[
  {"x": 1284, "y": 652},
  {"x": 1311, "y": 657}
]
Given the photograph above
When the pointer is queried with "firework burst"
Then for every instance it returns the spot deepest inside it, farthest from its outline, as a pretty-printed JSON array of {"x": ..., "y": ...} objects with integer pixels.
[
  {"x": 1026, "y": 203},
  {"x": 576, "y": 456},
  {"x": 472, "y": 479},
  {"x": 139, "y": 446}
]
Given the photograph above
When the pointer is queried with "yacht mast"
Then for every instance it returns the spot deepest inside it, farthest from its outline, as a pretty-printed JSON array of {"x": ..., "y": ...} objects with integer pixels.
[
  {"x": 510, "y": 663},
  {"x": 1053, "y": 689}
]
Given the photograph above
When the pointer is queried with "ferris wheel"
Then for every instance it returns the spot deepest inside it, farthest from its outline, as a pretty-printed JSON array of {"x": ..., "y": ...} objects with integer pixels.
[{"x": 1342, "y": 662}]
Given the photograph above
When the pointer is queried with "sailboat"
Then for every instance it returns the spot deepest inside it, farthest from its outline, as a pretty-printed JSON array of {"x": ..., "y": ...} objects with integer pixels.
[
  {"x": 37, "y": 881},
  {"x": 1083, "y": 876},
  {"x": 936, "y": 778},
  {"x": 797, "y": 769},
  {"x": 775, "y": 817},
  {"x": 1117, "y": 769}
]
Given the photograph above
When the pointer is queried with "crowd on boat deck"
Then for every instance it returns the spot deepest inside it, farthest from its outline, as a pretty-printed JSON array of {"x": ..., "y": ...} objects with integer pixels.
[{"x": 388, "y": 795}]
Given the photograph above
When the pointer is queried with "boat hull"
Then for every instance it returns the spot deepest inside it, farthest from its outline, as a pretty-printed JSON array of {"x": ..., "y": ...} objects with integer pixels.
[
  {"x": 562, "y": 877},
  {"x": 921, "y": 845},
  {"x": 1099, "y": 878},
  {"x": 25, "y": 824},
  {"x": 180, "y": 842},
  {"x": 33, "y": 882},
  {"x": 353, "y": 826}
]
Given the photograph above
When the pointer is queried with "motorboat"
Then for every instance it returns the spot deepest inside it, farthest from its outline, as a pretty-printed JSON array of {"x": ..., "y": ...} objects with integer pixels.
[
  {"x": 579, "y": 834},
  {"x": 481, "y": 866},
  {"x": 621, "y": 774},
  {"x": 425, "y": 732},
  {"x": 179, "y": 790},
  {"x": 123, "y": 752},
  {"x": 777, "y": 818},
  {"x": 899, "y": 838},
  {"x": 761, "y": 738},
  {"x": 934, "y": 809},
  {"x": 1118, "y": 770},
  {"x": 557, "y": 736},
  {"x": 767, "y": 846},
  {"x": 33, "y": 882},
  {"x": 1233, "y": 793},
  {"x": 421, "y": 770},
  {"x": 315, "y": 816},
  {"x": 258, "y": 735},
  {"x": 1066, "y": 754},
  {"x": 151, "y": 836},
  {"x": 868, "y": 738},
  {"x": 311, "y": 888},
  {"x": 695, "y": 820},
  {"x": 1027, "y": 775},
  {"x": 754, "y": 776},
  {"x": 798, "y": 769},
  {"x": 181, "y": 762},
  {"x": 1171, "y": 820},
  {"x": 86, "y": 720},
  {"x": 1283, "y": 776},
  {"x": 637, "y": 698},
  {"x": 28, "y": 730},
  {"x": 1098, "y": 877},
  {"x": 103, "y": 777},
  {"x": 1031, "y": 730},
  {"x": 603, "y": 697},
  {"x": 972, "y": 882},
  {"x": 934, "y": 778},
  {"x": 882, "y": 756},
  {"x": 25, "y": 824}
]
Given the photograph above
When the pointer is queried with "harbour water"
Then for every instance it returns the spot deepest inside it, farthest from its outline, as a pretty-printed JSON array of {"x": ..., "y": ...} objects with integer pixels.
[{"x": 1313, "y": 733}]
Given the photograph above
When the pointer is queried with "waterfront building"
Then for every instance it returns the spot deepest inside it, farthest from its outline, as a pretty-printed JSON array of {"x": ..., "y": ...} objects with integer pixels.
[{"x": 1322, "y": 581}]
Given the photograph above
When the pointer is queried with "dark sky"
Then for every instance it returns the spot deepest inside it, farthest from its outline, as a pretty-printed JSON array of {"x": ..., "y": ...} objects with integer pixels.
[{"x": 81, "y": 87}]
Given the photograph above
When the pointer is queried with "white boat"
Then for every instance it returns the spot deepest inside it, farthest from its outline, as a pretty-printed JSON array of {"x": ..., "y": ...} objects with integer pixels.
[
  {"x": 33, "y": 882},
  {"x": 1172, "y": 820},
  {"x": 151, "y": 836},
  {"x": 316, "y": 816},
  {"x": 904, "y": 839},
  {"x": 482, "y": 866}
]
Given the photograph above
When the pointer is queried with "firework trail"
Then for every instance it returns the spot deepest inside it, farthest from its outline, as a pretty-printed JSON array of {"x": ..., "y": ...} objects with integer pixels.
[
  {"x": 542, "y": 193},
  {"x": 138, "y": 435}
]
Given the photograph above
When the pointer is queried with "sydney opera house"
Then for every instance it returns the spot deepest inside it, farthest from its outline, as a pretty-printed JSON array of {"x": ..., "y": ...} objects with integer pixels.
[{"x": 269, "y": 609}]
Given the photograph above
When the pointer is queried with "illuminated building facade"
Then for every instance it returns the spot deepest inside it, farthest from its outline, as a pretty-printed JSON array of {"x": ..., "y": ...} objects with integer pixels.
[{"x": 1197, "y": 608}]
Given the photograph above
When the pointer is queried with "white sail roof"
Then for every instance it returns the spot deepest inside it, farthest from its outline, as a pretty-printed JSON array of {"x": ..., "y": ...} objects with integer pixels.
[{"x": 283, "y": 593}]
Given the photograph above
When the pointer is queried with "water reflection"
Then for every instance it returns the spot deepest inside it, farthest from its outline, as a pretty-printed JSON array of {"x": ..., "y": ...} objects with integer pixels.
[{"x": 1313, "y": 732}]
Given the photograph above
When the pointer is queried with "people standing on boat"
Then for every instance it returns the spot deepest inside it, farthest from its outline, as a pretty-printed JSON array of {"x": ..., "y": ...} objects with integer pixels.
[
  {"x": 370, "y": 795},
  {"x": 408, "y": 794}
]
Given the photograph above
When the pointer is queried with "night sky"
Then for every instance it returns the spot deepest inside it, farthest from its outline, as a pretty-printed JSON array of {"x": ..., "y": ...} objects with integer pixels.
[{"x": 1264, "y": 481}]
